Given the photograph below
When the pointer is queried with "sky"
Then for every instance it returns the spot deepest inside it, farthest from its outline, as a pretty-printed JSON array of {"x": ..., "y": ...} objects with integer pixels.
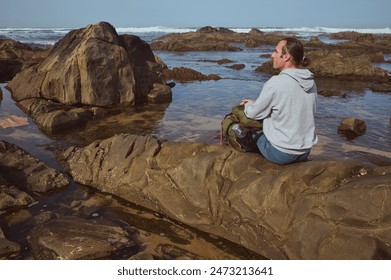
[{"x": 197, "y": 13}]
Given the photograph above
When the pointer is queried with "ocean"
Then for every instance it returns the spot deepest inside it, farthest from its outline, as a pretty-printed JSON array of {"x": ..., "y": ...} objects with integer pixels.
[{"x": 48, "y": 36}]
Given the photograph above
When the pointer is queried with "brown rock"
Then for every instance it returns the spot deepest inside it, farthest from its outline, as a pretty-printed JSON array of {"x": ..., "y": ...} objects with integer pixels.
[
  {"x": 339, "y": 64},
  {"x": 11, "y": 197},
  {"x": 92, "y": 66},
  {"x": 384, "y": 87},
  {"x": 352, "y": 127},
  {"x": 8, "y": 249},
  {"x": 236, "y": 66},
  {"x": 184, "y": 74},
  {"x": 311, "y": 210},
  {"x": 15, "y": 56},
  {"x": 74, "y": 238},
  {"x": 26, "y": 172}
]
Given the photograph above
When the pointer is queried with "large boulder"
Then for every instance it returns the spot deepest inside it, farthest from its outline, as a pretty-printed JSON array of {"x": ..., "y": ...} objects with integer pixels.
[
  {"x": 310, "y": 210},
  {"x": 92, "y": 66}
]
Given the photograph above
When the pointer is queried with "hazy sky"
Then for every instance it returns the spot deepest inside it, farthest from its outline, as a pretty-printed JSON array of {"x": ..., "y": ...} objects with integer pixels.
[{"x": 197, "y": 13}]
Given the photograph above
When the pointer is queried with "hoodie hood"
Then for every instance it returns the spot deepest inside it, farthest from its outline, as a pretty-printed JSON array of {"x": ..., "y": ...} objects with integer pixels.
[{"x": 304, "y": 77}]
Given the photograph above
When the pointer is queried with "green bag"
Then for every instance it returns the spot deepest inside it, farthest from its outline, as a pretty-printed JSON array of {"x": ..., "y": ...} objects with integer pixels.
[{"x": 250, "y": 126}]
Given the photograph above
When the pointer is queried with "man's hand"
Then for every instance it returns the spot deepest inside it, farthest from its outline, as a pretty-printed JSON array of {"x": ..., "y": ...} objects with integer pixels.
[{"x": 244, "y": 101}]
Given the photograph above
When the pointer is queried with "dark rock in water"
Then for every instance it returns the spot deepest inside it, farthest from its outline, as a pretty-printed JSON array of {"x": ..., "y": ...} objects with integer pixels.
[
  {"x": 381, "y": 87},
  {"x": 236, "y": 66},
  {"x": 184, "y": 74},
  {"x": 310, "y": 210},
  {"x": 74, "y": 238},
  {"x": 8, "y": 249},
  {"x": 26, "y": 172},
  {"x": 210, "y": 29},
  {"x": 160, "y": 94},
  {"x": 11, "y": 197},
  {"x": 352, "y": 127}
]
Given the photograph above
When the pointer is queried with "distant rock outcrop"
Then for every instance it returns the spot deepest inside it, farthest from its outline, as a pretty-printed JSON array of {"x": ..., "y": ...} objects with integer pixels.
[
  {"x": 339, "y": 64},
  {"x": 310, "y": 210},
  {"x": 184, "y": 74}
]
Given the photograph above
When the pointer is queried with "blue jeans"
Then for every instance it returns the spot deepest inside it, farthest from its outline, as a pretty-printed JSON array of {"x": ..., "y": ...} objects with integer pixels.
[{"x": 274, "y": 155}]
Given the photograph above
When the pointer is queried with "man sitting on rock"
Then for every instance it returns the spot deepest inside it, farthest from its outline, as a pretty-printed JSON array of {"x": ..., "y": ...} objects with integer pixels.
[{"x": 287, "y": 105}]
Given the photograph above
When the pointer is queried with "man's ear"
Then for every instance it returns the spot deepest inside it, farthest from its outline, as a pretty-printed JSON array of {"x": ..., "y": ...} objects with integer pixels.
[{"x": 287, "y": 57}]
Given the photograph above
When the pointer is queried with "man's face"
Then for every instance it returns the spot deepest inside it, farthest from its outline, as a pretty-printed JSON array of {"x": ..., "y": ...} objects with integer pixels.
[{"x": 279, "y": 59}]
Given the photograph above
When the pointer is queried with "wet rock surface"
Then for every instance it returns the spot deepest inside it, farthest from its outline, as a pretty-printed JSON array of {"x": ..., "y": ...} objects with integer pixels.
[
  {"x": 74, "y": 238},
  {"x": 311, "y": 210},
  {"x": 8, "y": 249},
  {"x": 26, "y": 172},
  {"x": 88, "y": 225}
]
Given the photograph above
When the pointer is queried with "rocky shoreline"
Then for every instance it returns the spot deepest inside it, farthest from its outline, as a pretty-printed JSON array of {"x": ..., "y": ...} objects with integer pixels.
[{"x": 311, "y": 210}]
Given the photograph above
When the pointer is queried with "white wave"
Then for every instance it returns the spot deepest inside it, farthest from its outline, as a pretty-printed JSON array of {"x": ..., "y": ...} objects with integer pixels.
[
  {"x": 50, "y": 36},
  {"x": 319, "y": 29},
  {"x": 154, "y": 29}
]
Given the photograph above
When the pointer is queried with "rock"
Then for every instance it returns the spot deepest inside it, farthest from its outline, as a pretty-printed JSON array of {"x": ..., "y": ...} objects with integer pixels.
[
  {"x": 184, "y": 74},
  {"x": 381, "y": 87},
  {"x": 74, "y": 238},
  {"x": 189, "y": 45},
  {"x": 236, "y": 66},
  {"x": 54, "y": 117},
  {"x": 15, "y": 56},
  {"x": 26, "y": 172},
  {"x": 8, "y": 249},
  {"x": 314, "y": 39},
  {"x": 160, "y": 94},
  {"x": 11, "y": 197},
  {"x": 352, "y": 127},
  {"x": 338, "y": 64},
  {"x": 344, "y": 64},
  {"x": 310, "y": 210},
  {"x": 90, "y": 67}
]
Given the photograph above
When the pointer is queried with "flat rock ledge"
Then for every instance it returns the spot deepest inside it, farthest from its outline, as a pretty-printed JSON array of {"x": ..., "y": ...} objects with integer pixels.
[{"x": 310, "y": 210}]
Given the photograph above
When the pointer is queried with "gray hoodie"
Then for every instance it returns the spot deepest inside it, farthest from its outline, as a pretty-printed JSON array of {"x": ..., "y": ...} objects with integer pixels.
[{"x": 287, "y": 105}]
